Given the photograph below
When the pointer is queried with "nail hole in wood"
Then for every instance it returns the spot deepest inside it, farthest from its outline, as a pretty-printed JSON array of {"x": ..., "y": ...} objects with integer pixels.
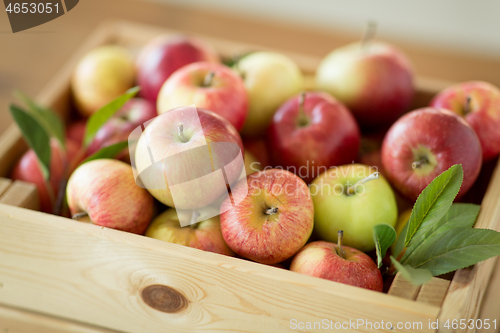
[{"x": 164, "y": 298}]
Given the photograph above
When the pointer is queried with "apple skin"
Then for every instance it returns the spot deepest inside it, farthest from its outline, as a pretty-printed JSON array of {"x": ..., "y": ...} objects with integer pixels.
[
  {"x": 438, "y": 135},
  {"x": 330, "y": 137},
  {"x": 163, "y": 56},
  {"x": 101, "y": 76},
  {"x": 226, "y": 95},
  {"x": 205, "y": 235},
  {"x": 259, "y": 149},
  {"x": 356, "y": 214},
  {"x": 268, "y": 238},
  {"x": 76, "y": 131},
  {"x": 320, "y": 259},
  {"x": 134, "y": 113},
  {"x": 162, "y": 138},
  {"x": 251, "y": 163},
  {"x": 484, "y": 114},
  {"x": 374, "y": 82},
  {"x": 106, "y": 190},
  {"x": 28, "y": 169},
  {"x": 270, "y": 79}
]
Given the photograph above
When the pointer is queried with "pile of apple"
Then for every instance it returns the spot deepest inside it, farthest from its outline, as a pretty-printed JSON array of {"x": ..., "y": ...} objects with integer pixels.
[{"x": 304, "y": 204}]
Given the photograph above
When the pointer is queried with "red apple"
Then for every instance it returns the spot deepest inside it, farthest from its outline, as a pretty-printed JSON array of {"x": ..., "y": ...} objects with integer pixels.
[
  {"x": 105, "y": 189},
  {"x": 205, "y": 235},
  {"x": 134, "y": 113},
  {"x": 426, "y": 142},
  {"x": 374, "y": 80},
  {"x": 273, "y": 220},
  {"x": 258, "y": 148},
  {"x": 185, "y": 157},
  {"x": 311, "y": 133},
  {"x": 163, "y": 56},
  {"x": 76, "y": 131},
  {"x": 28, "y": 169},
  {"x": 321, "y": 259},
  {"x": 210, "y": 86},
  {"x": 479, "y": 103}
]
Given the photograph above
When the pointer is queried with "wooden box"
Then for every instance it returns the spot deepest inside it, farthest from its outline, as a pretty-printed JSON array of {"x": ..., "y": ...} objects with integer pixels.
[{"x": 58, "y": 275}]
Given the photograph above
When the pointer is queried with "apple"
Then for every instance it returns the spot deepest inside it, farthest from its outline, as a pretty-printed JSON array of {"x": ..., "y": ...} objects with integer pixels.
[
  {"x": 338, "y": 263},
  {"x": 426, "y": 142},
  {"x": 353, "y": 198},
  {"x": 273, "y": 220},
  {"x": 210, "y": 86},
  {"x": 205, "y": 235},
  {"x": 479, "y": 103},
  {"x": 28, "y": 169},
  {"x": 195, "y": 150},
  {"x": 76, "y": 131},
  {"x": 106, "y": 191},
  {"x": 101, "y": 76},
  {"x": 251, "y": 163},
  {"x": 374, "y": 80},
  {"x": 259, "y": 149},
  {"x": 163, "y": 56},
  {"x": 270, "y": 79},
  {"x": 312, "y": 132},
  {"x": 136, "y": 112}
]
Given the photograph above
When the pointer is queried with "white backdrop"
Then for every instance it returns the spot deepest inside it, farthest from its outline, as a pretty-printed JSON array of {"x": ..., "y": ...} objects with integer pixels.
[{"x": 469, "y": 26}]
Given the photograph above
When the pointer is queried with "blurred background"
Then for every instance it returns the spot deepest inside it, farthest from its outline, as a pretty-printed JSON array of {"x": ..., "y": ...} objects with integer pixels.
[{"x": 454, "y": 40}]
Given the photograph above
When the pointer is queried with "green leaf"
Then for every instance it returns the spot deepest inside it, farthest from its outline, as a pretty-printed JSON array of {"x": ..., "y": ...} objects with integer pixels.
[
  {"x": 417, "y": 277},
  {"x": 384, "y": 236},
  {"x": 435, "y": 200},
  {"x": 35, "y": 136},
  {"x": 460, "y": 215},
  {"x": 101, "y": 116},
  {"x": 454, "y": 249},
  {"x": 107, "y": 152},
  {"x": 47, "y": 118},
  {"x": 400, "y": 242}
]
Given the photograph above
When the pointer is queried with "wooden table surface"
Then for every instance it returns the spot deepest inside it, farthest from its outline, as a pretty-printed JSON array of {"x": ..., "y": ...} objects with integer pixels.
[{"x": 29, "y": 59}]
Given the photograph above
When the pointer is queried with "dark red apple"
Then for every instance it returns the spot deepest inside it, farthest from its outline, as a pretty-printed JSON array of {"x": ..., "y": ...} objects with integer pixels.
[
  {"x": 311, "y": 133},
  {"x": 479, "y": 103},
  {"x": 163, "y": 56},
  {"x": 426, "y": 142}
]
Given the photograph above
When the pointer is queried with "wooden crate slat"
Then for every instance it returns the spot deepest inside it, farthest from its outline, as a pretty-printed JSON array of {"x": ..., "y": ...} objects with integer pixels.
[
  {"x": 21, "y": 194},
  {"x": 14, "y": 320},
  {"x": 4, "y": 185},
  {"x": 434, "y": 291},
  {"x": 96, "y": 275},
  {"x": 403, "y": 288}
]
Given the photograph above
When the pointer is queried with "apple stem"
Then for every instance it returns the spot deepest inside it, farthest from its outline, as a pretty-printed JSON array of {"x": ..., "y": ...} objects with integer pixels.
[
  {"x": 208, "y": 79},
  {"x": 272, "y": 210},
  {"x": 302, "y": 119},
  {"x": 467, "y": 105},
  {"x": 180, "y": 128},
  {"x": 340, "y": 249},
  {"x": 78, "y": 216},
  {"x": 352, "y": 189},
  {"x": 419, "y": 163},
  {"x": 368, "y": 34}
]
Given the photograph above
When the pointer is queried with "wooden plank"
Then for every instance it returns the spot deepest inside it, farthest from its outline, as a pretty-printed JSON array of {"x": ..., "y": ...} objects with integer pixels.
[
  {"x": 4, "y": 185},
  {"x": 433, "y": 292},
  {"x": 403, "y": 288},
  {"x": 96, "y": 275},
  {"x": 491, "y": 301},
  {"x": 21, "y": 194},
  {"x": 466, "y": 291},
  {"x": 14, "y": 320}
]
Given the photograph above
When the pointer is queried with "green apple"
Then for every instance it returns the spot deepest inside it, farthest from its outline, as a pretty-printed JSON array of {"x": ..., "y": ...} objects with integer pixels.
[
  {"x": 353, "y": 198},
  {"x": 205, "y": 235},
  {"x": 270, "y": 79}
]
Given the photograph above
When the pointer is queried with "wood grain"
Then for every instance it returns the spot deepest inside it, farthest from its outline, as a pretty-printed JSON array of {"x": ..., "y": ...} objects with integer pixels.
[
  {"x": 491, "y": 301},
  {"x": 403, "y": 288},
  {"x": 4, "y": 185},
  {"x": 466, "y": 291},
  {"x": 14, "y": 320},
  {"x": 21, "y": 194},
  {"x": 95, "y": 275},
  {"x": 433, "y": 292}
]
